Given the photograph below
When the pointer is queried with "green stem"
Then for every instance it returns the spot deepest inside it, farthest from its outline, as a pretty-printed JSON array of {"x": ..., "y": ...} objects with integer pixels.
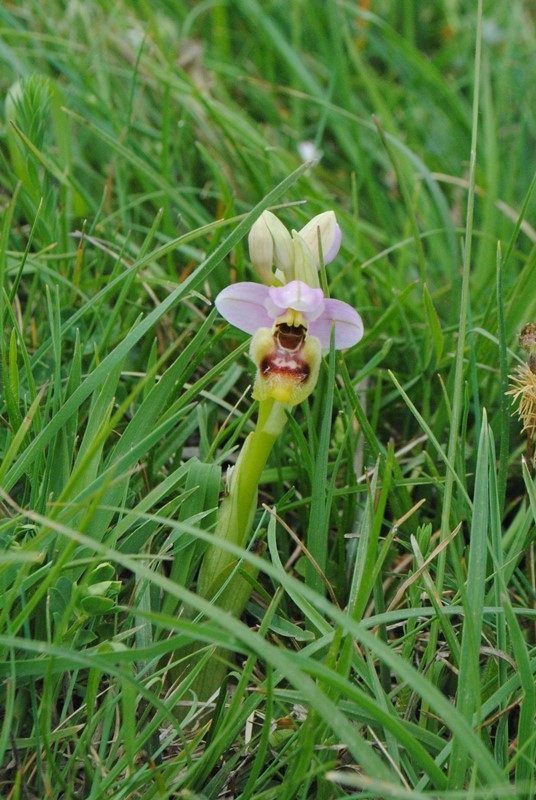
[
  {"x": 235, "y": 519},
  {"x": 237, "y": 510}
]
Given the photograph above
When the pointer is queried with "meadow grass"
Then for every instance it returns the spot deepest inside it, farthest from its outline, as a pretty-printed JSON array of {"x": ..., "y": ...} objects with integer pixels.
[{"x": 388, "y": 647}]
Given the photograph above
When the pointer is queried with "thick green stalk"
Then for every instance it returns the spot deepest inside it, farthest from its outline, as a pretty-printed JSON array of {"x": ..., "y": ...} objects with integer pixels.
[
  {"x": 235, "y": 519},
  {"x": 237, "y": 510}
]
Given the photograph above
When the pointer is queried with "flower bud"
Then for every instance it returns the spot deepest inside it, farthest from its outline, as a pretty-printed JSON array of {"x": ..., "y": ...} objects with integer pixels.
[
  {"x": 282, "y": 242},
  {"x": 305, "y": 269},
  {"x": 270, "y": 243},
  {"x": 261, "y": 250},
  {"x": 324, "y": 226}
]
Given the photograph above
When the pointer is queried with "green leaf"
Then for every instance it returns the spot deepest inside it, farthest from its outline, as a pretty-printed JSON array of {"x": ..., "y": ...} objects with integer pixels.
[{"x": 434, "y": 325}]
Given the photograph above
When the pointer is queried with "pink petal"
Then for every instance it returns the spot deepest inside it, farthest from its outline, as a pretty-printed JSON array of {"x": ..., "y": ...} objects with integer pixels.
[
  {"x": 243, "y": 305},
  {"x": 298, "y": 296},
  {"x": 348, "y": 325}
]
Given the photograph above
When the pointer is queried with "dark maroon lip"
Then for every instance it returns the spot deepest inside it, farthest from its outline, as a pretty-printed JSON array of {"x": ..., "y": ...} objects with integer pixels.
[
  {"x": 286, "y": 358},
  {"x": 290, "y": 337},
  {"x": 277, "y": 364}
]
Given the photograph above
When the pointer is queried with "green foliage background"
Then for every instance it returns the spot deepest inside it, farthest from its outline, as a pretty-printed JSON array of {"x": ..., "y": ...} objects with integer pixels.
[{"x": 138, "y": 143}]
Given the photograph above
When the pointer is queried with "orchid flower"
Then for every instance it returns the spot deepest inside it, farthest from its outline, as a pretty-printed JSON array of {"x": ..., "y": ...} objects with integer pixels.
[{"x": 291, "y": 320}]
